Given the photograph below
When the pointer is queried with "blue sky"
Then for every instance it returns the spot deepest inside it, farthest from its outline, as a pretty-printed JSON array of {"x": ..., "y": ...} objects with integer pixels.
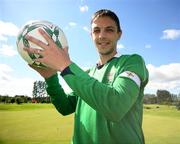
[{"x": 151, "y": 28}]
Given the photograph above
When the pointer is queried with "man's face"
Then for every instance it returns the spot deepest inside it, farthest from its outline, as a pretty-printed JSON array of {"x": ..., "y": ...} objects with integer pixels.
[{"x": 105, "y": 35}]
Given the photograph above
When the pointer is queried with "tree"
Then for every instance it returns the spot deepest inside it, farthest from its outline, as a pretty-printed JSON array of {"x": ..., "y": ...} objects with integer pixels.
[
  {"x": 18, "y": 100},
  {"x": 39, "y": 91},
  {"x": 174, "y": 98},
  {"x": 5, "y": 99},
  {"x": 164, "y": 97},
  {"x": 13, "y": 100},
  {"x": 150, "y": 99},
  {"x": 178, "y": 96},
  {"x": 178, "y": 105}
]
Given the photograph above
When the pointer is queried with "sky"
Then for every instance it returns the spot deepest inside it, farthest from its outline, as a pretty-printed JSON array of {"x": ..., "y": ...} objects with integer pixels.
[{"x": 151, "y": 28}]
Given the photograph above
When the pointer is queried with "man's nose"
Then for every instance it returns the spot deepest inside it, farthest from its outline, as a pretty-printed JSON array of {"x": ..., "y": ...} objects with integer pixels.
[{"x": 102, "y": 34}]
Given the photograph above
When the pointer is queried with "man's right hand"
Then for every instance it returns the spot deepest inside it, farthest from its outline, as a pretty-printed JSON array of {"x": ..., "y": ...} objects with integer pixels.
[{"x": 44, "y": 72}]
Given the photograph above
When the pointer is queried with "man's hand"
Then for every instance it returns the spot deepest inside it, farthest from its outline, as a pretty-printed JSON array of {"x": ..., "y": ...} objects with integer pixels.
[
  {"x": 44, "y": 72},
  {"x": 56, "y": 58}
]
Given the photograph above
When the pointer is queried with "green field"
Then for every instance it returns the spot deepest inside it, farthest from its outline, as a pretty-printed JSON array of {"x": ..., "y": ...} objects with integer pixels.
[{"x": 42, "y": 124}]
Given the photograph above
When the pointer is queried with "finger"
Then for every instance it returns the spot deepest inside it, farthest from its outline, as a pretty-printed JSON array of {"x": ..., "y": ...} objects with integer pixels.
[
  {"x": 46, "y": 36},
  {"x": 29, "y": 50},
  {"x": 40, "y": 60},
  {"x": 33, "y": 50},
  {"x": 34, "y": 67},
  {"x": 36, "y": 41}
]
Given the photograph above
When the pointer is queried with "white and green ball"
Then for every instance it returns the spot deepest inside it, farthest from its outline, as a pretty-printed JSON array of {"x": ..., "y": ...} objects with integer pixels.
[{"x": 31, "y": 29}]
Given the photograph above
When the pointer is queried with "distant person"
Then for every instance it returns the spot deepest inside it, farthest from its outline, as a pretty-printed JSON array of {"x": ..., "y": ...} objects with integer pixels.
[{"x": 107, "y": 99}]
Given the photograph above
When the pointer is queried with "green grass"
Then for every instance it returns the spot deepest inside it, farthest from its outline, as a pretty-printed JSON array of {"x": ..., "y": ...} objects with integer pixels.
[
  {"x": 161, "y": 125},
  {"x": 34, "y": 124},
  {"x": 42, "y": 124},
  {"x": 15, "y": 107}
]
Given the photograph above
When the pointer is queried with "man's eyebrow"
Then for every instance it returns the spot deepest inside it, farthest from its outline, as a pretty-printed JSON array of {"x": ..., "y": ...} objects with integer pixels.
[
  {"x": 111, "y": 27},
  {"x": 97, "y": 27}
]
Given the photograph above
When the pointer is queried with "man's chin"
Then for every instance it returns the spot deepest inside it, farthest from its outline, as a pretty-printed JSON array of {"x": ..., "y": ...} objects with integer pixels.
[{"x": 105, "y": 53}]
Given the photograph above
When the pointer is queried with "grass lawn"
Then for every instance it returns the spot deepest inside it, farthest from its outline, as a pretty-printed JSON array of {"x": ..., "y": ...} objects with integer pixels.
[
  {"x": 34, "y": 124},
  {"x": 42, "y": 124},
  {"x": 161, "y": 125}
]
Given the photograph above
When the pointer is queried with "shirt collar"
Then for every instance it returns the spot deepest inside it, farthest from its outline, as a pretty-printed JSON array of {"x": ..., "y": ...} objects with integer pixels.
[{"x": 99, "y": 66}]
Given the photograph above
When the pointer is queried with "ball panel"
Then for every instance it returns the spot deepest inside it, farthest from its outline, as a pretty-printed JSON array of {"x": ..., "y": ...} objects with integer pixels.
[
  {"x": 23, "y": 53},
  {"x": 62, "y": 39}
]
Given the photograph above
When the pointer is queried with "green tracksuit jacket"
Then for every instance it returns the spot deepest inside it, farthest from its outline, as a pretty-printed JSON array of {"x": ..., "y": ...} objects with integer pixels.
[{"x": 107, "y": 101}]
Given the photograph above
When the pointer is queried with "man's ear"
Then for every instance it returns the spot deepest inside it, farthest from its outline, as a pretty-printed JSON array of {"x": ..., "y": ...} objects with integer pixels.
[
  {"x": 119, "y": 34},
  {"x": 90, "y": 33}
]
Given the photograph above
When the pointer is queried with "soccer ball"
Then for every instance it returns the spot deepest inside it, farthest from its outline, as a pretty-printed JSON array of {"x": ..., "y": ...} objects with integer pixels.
[{"x": 31, "y": 29}]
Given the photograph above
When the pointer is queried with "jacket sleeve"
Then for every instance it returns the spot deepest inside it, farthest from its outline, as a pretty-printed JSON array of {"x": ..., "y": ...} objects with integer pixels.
[
  {"x": 65, "y": 104},
  {"x": 112, "y": 101}
]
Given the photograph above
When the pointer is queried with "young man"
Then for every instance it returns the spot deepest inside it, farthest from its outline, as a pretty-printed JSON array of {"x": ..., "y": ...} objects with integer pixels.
[{"x": 108, "y": 99}]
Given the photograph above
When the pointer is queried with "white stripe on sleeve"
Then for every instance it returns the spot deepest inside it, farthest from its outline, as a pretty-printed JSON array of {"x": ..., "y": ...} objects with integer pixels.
[{"x": 132, "y": 76}]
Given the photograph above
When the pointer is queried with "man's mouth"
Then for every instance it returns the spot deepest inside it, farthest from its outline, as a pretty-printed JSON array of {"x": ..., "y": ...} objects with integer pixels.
[{"x": 103, "y": 43}]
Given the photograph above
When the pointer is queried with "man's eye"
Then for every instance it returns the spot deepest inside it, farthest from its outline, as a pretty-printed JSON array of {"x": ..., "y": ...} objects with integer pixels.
[
  {"x": 96, "y": 31},
  {"x": 109, "y": 30}
]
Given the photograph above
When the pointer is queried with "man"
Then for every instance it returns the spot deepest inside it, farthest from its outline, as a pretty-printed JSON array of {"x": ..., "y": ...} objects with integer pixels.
[{"x": 108, "y": 99}]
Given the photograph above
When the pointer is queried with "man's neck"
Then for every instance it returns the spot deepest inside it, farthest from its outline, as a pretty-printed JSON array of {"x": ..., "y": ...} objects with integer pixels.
[{"x": 104, "y": 58}]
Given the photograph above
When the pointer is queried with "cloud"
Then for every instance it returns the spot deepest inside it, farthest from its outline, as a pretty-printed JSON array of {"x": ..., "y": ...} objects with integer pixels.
[
  {"x": 7, "y": 50},
  {"x": 64, "y": 85},
  {"x": 11, "y": 85},
  {"x": 7, "y": 29},
  {"x": 164, "y": 77},
  {"x": 4, "y": 72},
  {"x": 17, "y": 86},
  {"x": 3, "y": 38},
  {"x": 120, "y": 46},
  {"x": 72, "y": 24},
  {"x": 148, "y": 46},
  {"x": 86, "y": 29},
  {"x": 83, "y": 8},
  {"x": 171, "y": 34}
]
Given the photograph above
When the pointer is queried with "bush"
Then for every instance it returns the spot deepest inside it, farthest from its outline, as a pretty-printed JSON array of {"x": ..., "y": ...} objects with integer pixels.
[
  {"x": 19, "y": 100},
  {"x": 147, "y": 107},
  {"x": 178, "y": 105}
]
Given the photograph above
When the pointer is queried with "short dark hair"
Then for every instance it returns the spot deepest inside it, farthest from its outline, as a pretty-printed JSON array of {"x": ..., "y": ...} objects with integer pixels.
[{"x": 107, "y": 13}]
